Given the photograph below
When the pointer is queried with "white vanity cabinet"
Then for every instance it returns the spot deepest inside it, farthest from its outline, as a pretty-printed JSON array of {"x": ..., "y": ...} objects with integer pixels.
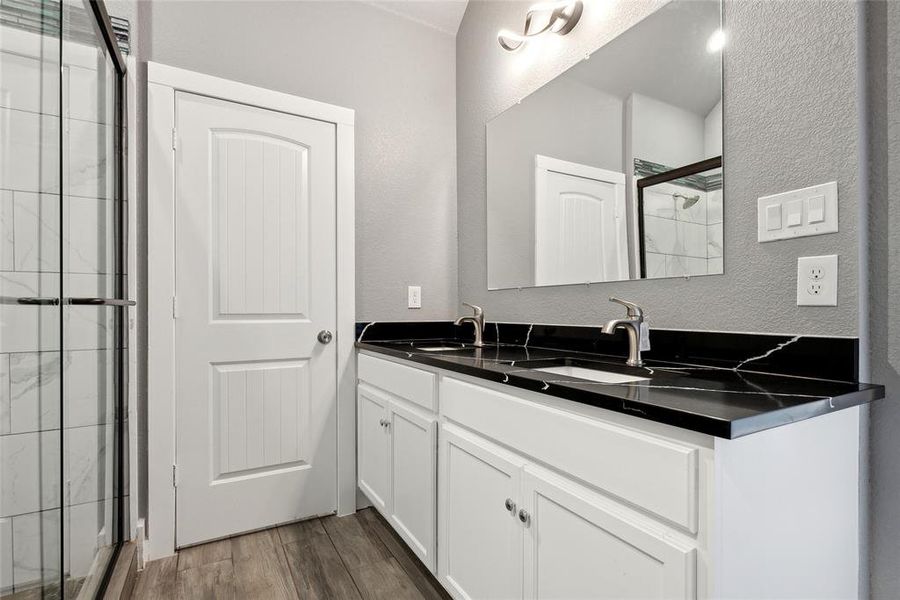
[
  {"x": 397, "y": 446},
  {"x": 579, "y": 544},
  {"x": 538, "y": 497},
  {"x": 479, "y": 531}
]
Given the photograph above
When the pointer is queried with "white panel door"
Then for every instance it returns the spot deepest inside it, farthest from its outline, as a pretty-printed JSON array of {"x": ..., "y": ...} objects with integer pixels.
[
  {"x": 480, "y": 539},
  {"x": 580, "y": 225},
  {"x": 255, "y": 283},
  {"x": 578, "y": 545},
  {"x": 373, "y": 462},
  {"x": 413, "y": 479}
]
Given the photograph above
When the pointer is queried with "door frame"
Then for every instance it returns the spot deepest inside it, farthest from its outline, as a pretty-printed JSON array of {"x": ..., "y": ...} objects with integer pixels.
[{"x": 162, "y": 84}]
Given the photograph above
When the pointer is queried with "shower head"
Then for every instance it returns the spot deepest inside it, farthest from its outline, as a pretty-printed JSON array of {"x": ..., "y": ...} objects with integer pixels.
[{"x": 689, "y": 201}]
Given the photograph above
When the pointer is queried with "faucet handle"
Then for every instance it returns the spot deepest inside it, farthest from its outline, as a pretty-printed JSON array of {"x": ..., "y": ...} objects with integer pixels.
[
  {"x": 634, "y": 311},
  {"x": 478, "y": 310}
]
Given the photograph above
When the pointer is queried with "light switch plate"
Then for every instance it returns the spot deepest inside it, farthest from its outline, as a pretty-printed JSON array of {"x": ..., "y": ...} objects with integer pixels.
[
  {"x": 804, "y": 212},
  {"x": 414, "y": 296},
  {"x": 817, "y": 278}
]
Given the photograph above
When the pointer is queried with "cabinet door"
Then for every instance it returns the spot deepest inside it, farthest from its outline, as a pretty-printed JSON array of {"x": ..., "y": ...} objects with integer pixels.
[
  {"x": 480, "y": 540},
  {"x": 373, "y": 461},
  {"x": 579, "y": 544},
  {"x": 414, "y": 479}
]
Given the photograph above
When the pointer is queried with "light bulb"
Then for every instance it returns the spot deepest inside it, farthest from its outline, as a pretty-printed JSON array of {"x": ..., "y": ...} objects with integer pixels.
[{"x": 716, "y": 41}]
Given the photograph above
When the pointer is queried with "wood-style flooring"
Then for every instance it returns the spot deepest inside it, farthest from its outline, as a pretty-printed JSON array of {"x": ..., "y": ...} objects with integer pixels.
[{"x": 332, "y": 558}]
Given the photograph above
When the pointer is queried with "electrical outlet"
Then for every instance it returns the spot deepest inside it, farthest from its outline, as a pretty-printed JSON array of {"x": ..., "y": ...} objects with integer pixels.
[
  {"x": 817, "y": 278},
  {"x": 414, "y": 296}
]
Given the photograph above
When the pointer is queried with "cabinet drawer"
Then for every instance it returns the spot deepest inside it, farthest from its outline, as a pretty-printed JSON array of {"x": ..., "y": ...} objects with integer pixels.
[
  {"x": 655, "y": 474},
  {"x": 408, "y": 383}
]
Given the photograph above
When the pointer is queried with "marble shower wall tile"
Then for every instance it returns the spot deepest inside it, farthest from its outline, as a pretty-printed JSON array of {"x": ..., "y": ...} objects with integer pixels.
[
  {"x": 685, "y": 266},
  {"x": 656, "y": 265},
  {"x": 5, "y": 425},
  {"x": 89, "y": 248},
  {"x": 30, "y": 67},
  {"x": 7, "y": 232},
  {"x": 714, "y": 213},
  {"x": 6, "y": 554},
  {"x": 28, "y": 328},
  {"x": 31, "y": 145},
  {"x": 29, "y": 481},
  {"x": 36, "y": 546},
  {"x": 37, "y": 231},
  {"x": 34, "y": 391},
  {"x": 714, "y": 241},
  {"x": 90, "y": 174},
  {"x": 89, "y": 463},
  {"x": 88, "y": 527},
  {"x": 82, "y": 94},
  {"x": 665, "y": 236},
  {"x": 90, "y": 387}
]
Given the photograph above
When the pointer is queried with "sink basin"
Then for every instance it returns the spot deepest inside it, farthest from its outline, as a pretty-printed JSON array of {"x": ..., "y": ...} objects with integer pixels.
[
  {"x": 591, "y": 374},
  {"x": 439, "y": 348}
]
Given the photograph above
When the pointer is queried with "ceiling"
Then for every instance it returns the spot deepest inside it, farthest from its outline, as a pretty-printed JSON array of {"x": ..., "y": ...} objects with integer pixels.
[
  {"x": 664, "y": 57},
  {"x": 443, "y": 15}
]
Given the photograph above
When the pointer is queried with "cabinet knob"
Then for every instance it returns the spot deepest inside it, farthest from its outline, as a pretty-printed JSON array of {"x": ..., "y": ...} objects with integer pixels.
[
  {"x": 524, "y": 517},
  {"x": 510, "y": 505}
]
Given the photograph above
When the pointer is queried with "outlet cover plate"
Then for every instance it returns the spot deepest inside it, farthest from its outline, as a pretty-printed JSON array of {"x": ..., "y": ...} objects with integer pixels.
[
  {"x": 817, "y": 278},
  {"x": 414, "y": 296}
]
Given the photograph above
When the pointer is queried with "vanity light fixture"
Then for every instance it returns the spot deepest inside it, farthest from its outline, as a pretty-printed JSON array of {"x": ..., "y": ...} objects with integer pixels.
[
  {"x": 716, "y": 41},
  {"x": 557, "y": 17}
]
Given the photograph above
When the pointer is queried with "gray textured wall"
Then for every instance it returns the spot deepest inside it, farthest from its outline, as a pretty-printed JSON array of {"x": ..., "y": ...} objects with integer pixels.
[
  {"x": 884, "y": 232},
  {"x": 790, "y": 121}
]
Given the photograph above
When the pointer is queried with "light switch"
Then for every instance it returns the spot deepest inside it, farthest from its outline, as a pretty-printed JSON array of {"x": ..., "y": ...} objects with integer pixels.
[
  {"x": 816, "y": 209},
  {"x": 773, "y": 217},
  {"x": 794, "y": 210},
  {"x": 797, "y": 213}
]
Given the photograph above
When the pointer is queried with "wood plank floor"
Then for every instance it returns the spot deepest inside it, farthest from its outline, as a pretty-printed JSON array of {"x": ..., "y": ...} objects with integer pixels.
[{"x": 356, "y": 557}]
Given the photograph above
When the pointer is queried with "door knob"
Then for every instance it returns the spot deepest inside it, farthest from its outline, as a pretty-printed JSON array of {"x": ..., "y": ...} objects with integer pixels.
[{"x": 325, "y": 336}]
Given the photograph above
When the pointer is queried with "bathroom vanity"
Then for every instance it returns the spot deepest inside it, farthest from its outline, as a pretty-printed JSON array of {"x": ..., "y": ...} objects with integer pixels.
[{"x": 515, "y": 471}]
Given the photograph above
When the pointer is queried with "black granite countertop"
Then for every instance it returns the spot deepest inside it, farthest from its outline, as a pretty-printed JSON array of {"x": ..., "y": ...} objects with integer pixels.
[{"x": 724, "y": 402}]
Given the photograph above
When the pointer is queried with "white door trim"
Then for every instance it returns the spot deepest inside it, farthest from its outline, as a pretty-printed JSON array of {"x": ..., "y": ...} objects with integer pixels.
[{"x": 162, "y": 83}]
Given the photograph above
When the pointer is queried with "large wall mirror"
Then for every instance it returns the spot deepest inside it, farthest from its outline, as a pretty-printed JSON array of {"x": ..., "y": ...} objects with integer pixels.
[{"x": 613, "y": 170}]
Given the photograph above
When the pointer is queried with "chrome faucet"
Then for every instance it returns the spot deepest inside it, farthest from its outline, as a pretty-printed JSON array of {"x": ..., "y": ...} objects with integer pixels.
[
  {"x": 477, "y": 320},
  {"x": 632, "y": 324}
]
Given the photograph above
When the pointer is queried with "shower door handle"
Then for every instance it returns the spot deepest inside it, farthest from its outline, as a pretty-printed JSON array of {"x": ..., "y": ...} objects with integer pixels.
[
  {"x": 100, "y": 302},
  {"x": 52, "y": 301}
]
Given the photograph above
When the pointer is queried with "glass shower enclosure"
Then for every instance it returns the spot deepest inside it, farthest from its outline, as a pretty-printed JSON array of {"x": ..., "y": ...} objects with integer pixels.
[{"x": 62, "y": 308}]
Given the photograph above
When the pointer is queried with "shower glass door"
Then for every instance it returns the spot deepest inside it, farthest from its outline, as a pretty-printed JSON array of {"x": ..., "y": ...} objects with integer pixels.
[
  {"x": 61, "y": 315},
  {"x": 90, "y": 217}
]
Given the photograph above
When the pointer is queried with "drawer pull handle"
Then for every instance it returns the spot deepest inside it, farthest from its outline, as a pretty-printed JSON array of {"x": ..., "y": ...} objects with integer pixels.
[
  {"x": 510, "y": 505},
  {"x": 524, "y": 517}
]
